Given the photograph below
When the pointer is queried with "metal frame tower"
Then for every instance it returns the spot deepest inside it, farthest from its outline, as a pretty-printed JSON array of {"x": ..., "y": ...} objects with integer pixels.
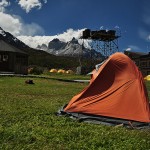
[{"x": 103, "y": 41}]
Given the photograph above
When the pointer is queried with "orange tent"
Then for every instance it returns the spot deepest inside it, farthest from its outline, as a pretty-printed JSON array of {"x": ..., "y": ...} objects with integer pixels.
[{"x": 116, "y": 90}]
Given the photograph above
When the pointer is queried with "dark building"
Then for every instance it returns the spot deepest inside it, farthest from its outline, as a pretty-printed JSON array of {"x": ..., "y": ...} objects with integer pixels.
[
  {"x": 142, "y": 60},
  {"x": 12, "y": 59}
]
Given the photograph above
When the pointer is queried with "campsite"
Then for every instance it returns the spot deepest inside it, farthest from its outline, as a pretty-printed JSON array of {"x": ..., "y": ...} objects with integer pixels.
[
  {"x": 29, "y": 121},
  {"x": 74, "y": 75}
]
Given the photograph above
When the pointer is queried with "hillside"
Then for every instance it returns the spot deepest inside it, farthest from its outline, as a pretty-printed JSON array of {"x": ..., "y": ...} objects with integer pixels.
[{"x": 41, "y": 58}]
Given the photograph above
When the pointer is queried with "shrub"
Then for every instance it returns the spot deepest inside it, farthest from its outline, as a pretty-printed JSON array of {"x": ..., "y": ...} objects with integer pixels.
[{"x": 36, "y": 70}]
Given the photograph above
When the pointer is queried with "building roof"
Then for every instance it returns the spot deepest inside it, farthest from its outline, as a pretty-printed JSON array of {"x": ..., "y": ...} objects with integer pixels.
[
  {"x": 135, "y": 53},
  {"x": 145, "y": 56},
  {"x": 5, "y": 47}
]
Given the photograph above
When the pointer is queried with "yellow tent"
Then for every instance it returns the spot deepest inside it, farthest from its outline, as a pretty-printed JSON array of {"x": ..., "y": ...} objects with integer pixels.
[
  {"x": 53, "y": 71},
  {"x": 61, "y": 71},
  {"x": 147, "y": 78},
  {"x": 69, "y": 72}
]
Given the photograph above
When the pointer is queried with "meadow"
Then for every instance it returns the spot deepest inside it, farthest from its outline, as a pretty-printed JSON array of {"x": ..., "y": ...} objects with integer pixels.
[{"x": 28, "y": 119}]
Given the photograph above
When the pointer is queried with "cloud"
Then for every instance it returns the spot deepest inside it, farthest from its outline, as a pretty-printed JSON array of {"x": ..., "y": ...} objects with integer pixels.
[
  {"x": 15, "y": 25},
  {"x": 69, "y": 34},
  {"x": 10, "y": 23},
  {"x": 128, "y": 49},
  {"x": 34, "y": 41},
  {"x": 133, "y": 48},
  {"x": 31, "y": 29},
  {"x": 27, "y": 32},
  {"x": 3, "y": 4},
  {"x": 27, "y": 5}
]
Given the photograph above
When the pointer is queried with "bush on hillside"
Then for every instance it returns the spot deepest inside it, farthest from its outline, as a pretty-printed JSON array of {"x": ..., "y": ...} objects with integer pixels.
[{"x": 35, "y": 70}]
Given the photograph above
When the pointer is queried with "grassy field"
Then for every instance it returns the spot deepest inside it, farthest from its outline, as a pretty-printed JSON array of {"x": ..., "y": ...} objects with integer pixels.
[{"x": 28, "y": 120}]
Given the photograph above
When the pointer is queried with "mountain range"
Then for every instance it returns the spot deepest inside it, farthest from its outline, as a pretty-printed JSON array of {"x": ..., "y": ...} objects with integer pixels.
[
  {"x": 71, "y": 48},
  {"x": 54, "y": 47}
]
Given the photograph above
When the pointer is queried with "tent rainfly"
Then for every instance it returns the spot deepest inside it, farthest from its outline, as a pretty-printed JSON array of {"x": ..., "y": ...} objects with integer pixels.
[{"x": 116, "y": 95}]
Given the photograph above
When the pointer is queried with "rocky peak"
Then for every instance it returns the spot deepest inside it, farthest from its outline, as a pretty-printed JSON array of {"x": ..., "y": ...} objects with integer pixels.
[
  {"x": 42, "y": 47},
  {"x": 55, "y": 40},
  {"x": 56, "y": 44},
  {"x": 74, "y": 41}
]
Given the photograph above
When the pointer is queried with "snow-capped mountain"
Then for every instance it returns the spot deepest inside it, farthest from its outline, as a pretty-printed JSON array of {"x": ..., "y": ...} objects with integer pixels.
[
  {"x": 9, "y": 38},
  {"x": 55, "y": 47},
  {"x": 71, "y": 48},
  {"x": 42, "y": 47}
]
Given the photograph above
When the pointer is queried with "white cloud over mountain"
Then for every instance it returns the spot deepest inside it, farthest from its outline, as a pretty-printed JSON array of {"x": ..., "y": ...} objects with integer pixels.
[
  {"x": 34, "y": 41},
  {"x": 10, "y": 23},
  {"x": 27, "y": 32}
]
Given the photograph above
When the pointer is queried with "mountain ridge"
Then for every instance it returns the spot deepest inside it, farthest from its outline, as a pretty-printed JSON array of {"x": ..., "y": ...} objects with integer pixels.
[
  {"x": 9, "y": 38},
  {"x": 71, "y": 48}
]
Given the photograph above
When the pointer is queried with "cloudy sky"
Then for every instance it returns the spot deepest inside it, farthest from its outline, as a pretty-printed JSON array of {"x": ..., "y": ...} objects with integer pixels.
[{"x": 39, "y": 21}]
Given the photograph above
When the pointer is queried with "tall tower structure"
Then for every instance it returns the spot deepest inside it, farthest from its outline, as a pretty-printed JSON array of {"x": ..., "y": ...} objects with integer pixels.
[{"x": 103, "y": 41}]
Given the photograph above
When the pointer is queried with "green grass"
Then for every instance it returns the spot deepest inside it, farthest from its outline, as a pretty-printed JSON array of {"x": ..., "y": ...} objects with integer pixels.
[{"x": 28, "y": 120}]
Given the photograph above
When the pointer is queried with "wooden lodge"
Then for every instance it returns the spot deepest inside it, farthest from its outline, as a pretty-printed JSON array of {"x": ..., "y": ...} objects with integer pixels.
[
  {"x": 12, "y": 59},
  {"x": 142, "y": 60}
]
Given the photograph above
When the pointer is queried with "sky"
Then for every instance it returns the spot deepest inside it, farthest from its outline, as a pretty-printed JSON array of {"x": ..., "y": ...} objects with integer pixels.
[{"x": 39, "y": 21}]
